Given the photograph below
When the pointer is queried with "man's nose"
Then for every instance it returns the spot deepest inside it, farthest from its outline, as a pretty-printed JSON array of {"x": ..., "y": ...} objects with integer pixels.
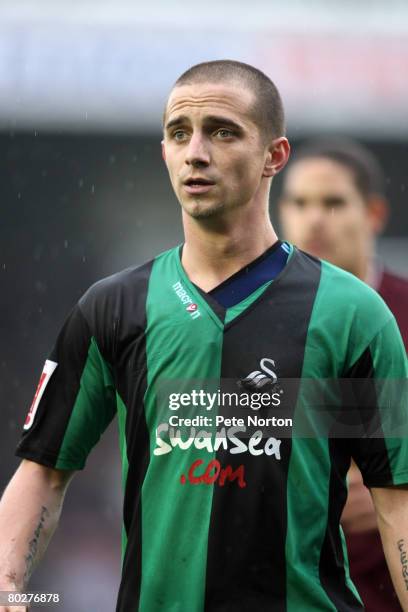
[
  {"x": 316, "y": 215},
  {"x": 197, "y": 153}
]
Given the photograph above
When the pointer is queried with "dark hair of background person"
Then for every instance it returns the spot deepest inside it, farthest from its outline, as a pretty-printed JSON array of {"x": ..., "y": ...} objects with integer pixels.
[
  {"x": 367, "y": 172},
  {"x": 267, "y": 111}
]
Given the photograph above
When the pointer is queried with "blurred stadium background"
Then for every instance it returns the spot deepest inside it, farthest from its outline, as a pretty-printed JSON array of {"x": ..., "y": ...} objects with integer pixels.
[{"x": 84, "y": 192}]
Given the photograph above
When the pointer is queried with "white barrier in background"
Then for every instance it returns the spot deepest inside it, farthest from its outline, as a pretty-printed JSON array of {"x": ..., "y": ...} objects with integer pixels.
[{"x": 109, "y": 66}]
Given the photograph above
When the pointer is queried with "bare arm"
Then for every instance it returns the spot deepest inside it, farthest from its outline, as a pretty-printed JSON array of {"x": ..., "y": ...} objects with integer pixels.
[
  {"x": 29, "y": 513},
  {"x": 358, "y": 514},
  {"x": 391, "y": 505}
]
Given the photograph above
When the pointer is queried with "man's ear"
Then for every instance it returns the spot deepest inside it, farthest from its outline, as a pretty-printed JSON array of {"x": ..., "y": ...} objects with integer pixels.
[
  {"x": 378, "y": 213},
  {"x": 277, "y": 156},
  {"x": 163, "y": 150}
]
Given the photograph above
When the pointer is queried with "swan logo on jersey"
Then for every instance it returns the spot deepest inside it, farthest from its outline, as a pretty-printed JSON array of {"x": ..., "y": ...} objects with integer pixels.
[
  {"x": 46, "y": 374},
  {"x": 185, "y": 299},
  {"x": 260, "y": 379}
]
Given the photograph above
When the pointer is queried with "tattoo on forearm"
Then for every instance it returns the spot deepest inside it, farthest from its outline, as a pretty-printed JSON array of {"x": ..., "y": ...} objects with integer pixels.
[
  {"x": 12, "y": 576},
  {"x": 404, "y": 561},
  {"x": 33, "y": 545}
]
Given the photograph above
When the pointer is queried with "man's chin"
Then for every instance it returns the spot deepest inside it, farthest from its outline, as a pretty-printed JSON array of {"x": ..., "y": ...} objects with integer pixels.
[
  {"x": 317, "y": 249},
  {"x": 203, "y": 210}
]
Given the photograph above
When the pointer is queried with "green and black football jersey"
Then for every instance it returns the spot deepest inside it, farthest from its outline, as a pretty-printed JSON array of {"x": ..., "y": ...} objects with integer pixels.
[{"x": 220, "y": 512}]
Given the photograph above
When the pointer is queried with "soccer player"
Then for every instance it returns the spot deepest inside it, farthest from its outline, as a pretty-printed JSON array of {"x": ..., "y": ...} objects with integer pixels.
[
  {"x": 212, "y": 336},
  {"x": 333, "y": 205}
]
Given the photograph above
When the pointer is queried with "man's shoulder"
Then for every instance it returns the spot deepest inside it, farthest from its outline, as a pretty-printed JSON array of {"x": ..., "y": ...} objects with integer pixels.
[
  {"x": 126, "y": 287},
  {"x": 348, "y": 290},
  {"x": 119, "y": 281},
  {"x": 348, "y": 313},
  {"x": 349, "y": 309},
  {"x": 338, "y": 286}
]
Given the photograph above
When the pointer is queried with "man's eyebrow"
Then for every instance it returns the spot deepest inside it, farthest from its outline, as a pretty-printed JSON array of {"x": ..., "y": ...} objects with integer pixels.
[
  {"x": 209, "y": 120},
  {"x": 288, "y": 195},
  {"x": 177, "y": 121},
  {"x": 219, "y": 120}
]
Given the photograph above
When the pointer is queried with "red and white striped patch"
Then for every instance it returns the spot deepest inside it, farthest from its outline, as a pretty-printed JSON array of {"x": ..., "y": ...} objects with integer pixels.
[{"x": 46, "y": 374}]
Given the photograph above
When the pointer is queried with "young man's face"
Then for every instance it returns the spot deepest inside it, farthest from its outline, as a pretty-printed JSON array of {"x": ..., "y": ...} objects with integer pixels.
[
  {"x": 212, "y": 147},
  {"x": 324, "y": 213}
]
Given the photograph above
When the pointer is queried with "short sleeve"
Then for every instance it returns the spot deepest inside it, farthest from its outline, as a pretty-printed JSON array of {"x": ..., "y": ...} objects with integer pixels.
[
  {"x": 380, "y": 376},
  {"x": 74, "y": 401}
]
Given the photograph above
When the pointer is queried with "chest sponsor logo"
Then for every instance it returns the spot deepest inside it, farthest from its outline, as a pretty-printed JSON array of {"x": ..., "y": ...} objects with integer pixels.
[
  {"x": 190, "y": 306},
  {"x": 48, "y": 370},
  {"x": 260, "y": 379}
]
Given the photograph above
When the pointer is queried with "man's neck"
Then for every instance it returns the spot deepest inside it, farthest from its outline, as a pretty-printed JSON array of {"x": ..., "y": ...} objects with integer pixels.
[
  {"x": 375, "y": 270},
  {"x": 214, "y": 251},
  {"x": 365, "y": 265}
]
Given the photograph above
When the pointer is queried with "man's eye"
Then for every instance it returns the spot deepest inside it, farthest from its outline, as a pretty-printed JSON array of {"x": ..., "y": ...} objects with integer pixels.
[
  {"x": 224, "y": 133},
  {"x": 334, "y": 202},
  {"x": 179, "y": 135},
  {"x": 297, "y": 202}
]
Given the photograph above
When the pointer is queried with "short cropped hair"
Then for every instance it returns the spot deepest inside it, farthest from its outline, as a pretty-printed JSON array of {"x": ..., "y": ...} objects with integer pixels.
[
  {"x": 267, "y": 111},
  {"x": 367, "y": 172}
]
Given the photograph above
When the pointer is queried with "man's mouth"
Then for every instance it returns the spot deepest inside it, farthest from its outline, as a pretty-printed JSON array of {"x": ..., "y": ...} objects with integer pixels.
[
  {"x": 316, "y": 245},
  {"x": 196, "y": 185}
]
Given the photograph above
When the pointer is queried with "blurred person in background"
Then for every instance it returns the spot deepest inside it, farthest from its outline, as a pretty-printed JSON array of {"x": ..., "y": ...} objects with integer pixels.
[
  {"x": 333, "y": 205},
  {"x": 233, "y": 298}
]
